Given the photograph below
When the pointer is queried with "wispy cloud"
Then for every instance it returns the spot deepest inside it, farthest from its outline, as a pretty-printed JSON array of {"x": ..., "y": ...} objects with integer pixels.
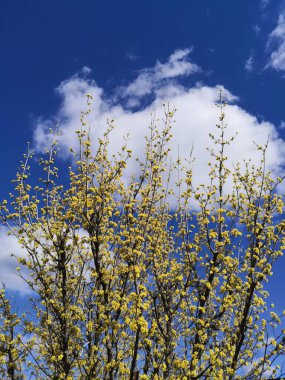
[
  {"x": 249, "y": 63},
  {"x": 257, "y": 30},
  {"x": 276, "y": 44},
  {"x": 150, "y": 79},
  {"x": 131, "y": 56},
  {"x": 264, "y": 4}
]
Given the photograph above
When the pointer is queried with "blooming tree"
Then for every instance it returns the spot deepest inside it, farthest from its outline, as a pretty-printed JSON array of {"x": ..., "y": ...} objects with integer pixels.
[{"x": 125, "y": 285}]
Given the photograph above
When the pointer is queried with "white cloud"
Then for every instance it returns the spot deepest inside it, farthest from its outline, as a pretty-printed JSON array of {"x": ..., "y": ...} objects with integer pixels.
[
  {"x": 150, "y": 79},
  {"x": 249, "y": 64},
  {"x": 8, "y": 263},
  {"x": 195, "y": 118},
  {"x": 276, "y": 44},
  {"x": 10, "y": 251}
]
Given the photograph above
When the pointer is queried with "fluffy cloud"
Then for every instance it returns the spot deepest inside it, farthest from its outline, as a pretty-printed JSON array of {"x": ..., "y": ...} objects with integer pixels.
[
  {"x": 276, "y": 44},
  {"x": 10, "y": 250},
  {"x": 195, "y": 118}
]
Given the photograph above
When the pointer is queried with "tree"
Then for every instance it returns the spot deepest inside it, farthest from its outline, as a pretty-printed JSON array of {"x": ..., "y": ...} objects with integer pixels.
[
  {"x": 126, "y": 286},
  {"x": 12, "y": 352}
]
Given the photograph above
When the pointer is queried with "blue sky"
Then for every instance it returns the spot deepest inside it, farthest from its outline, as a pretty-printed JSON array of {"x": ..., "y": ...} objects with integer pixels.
[{"x": 132, "y": 55}]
